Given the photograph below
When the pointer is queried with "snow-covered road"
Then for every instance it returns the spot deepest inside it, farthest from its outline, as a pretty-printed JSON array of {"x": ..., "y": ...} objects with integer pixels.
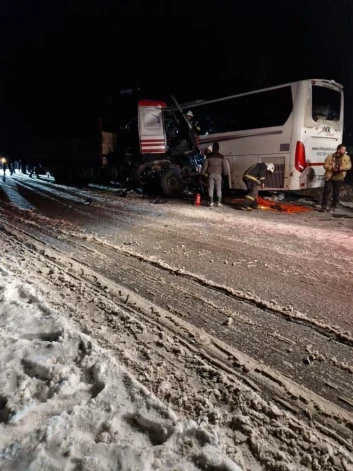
[{"x": 239, "y": 322}]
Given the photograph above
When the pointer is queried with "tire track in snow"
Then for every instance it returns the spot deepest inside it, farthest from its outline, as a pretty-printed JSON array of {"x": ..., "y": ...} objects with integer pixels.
[
  {"x": 272, "y": 355},
  {"x": 70, "y": 202},
  {"x": 218, "y": 355},
  {"x": 88, "y": 265},
  {"x": 287, "y": 313}
]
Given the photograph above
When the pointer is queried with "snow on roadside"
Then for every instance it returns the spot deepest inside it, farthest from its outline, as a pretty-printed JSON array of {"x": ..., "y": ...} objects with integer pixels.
[{"x": 66, "y": 404}]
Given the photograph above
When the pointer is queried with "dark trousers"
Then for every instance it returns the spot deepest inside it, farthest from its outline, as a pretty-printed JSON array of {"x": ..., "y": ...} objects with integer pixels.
[
  {"x": 34, "y": 169},
  {"x": 253, "y": 191},
  {"x": 335, "y": 186},
  {"x": 9, "y": 166}
]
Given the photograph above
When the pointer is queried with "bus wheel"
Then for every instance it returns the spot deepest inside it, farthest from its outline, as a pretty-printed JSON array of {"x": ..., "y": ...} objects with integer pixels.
[{"x": 172, "y": 183}]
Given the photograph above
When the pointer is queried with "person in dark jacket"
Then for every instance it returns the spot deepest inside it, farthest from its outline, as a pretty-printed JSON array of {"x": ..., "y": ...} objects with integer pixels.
[
  {"x": 215, "y": 167},
  {"x": 254, "y": 179},
  {"x": 193, "y": 124}
]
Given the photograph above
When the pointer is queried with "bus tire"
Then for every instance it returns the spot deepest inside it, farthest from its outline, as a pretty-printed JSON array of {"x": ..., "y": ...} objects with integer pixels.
[{"x": 172, "y": 184}]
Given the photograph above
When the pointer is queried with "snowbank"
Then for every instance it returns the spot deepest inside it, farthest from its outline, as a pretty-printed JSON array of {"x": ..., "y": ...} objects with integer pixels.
[{"x": 66, "y": 404}]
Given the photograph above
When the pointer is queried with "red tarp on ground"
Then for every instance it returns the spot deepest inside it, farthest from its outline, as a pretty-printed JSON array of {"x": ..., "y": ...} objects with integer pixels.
[{"x": 284, "y": 207}]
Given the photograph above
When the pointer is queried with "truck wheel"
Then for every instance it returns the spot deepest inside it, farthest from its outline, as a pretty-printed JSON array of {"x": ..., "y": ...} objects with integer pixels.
[{"x": 172, "y": 183}]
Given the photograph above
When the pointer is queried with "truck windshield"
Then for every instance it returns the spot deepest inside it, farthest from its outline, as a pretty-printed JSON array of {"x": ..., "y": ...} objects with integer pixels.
[{"x": 326, "y": 104}]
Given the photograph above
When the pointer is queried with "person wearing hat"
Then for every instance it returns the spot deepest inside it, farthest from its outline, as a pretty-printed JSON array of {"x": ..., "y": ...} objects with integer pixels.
[
  {"x": 208, "y": 151},
  {"x": 254, "y": 179},
  {"x": 194, "y": 125}
]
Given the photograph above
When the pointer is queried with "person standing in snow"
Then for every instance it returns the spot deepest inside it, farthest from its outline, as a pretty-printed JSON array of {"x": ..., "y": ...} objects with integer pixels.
[
  {"x": 215, "y": 167},
  {"x": 336, "y": 166},
  {"x": 202, "y": 179},
  {"x": 8, "y": 163},
  {"x": 254, "y": 179}
]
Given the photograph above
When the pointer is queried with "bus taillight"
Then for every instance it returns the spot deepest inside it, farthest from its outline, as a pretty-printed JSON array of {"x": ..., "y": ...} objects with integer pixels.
[{"x": 300, "y": 158}]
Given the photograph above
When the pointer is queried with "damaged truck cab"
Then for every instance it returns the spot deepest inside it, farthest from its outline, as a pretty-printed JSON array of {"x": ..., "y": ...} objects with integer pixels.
[
  {"x": 167, "y": 156},
  {"x": 155, "y": 150}
]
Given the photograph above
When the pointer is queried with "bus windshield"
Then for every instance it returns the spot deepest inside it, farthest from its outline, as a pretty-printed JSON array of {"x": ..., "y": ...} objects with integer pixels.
[{"x": 326, "y": 104}]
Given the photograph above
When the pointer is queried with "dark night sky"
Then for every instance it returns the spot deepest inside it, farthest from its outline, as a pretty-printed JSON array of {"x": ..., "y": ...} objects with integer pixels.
[{"x": 59, "y": 61}]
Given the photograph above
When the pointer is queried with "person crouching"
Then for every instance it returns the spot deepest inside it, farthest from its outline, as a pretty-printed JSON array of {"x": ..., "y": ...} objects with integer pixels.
[{"x": 254, "y": 179}]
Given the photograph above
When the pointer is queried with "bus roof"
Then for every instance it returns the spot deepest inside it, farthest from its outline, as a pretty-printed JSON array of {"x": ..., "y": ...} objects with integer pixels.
[{"x": 195, "y": 103}]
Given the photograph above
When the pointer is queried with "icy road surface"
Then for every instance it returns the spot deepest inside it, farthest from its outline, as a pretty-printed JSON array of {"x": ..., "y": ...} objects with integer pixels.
[{"x": 240, "y": 322}]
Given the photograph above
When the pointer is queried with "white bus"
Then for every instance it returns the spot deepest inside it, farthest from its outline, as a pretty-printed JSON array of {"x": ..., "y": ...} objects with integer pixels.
[{"x": 295, "y": 126}]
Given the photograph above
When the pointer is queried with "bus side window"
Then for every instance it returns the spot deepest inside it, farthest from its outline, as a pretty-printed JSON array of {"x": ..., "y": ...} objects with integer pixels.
[{"x": 261, "y": 110}]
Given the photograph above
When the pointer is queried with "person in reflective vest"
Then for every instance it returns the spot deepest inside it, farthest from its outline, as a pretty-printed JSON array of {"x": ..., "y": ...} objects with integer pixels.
[{"x": 254, "y": 179}]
